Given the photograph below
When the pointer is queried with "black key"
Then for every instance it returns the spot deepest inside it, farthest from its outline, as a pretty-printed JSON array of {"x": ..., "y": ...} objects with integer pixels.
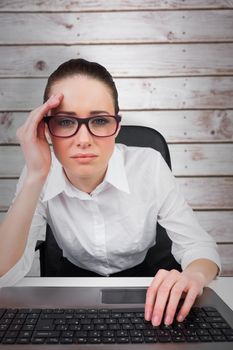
[
  {"x": 102, "y": 327},
  {"x": 205, "y": 338},
  {"x": 53, "y": 340},
  {"x": 136, "y": 333},
  {"x": 11, "y": 334},
  {"x": 164, "y": 339},
  {"x": 64, "y": 327},
  {"x": 88, "y": 327},
  {"x": 94, "y": 340},
  {"x": 122, "y": 333},
  {"x": 25, "y": 334},
  {"x": 94, "y": 334},
  {"x": 47, "y": 325},
  {"x": 229, "y": 337},
  {"x": 81, "y": 334},
  {"x": 23, "y": 341},
  {"x": 113, "y": 326},
  {"x": 67, "y": 334},
  {"x": 192, "y": 339},
  {"x": 45, "y": 334},
  {"x": 66, "y": 340},
  {"x": 128, "y": 326},
  {"x": 202, "y": 332},
  {"x": 81, "y": 340},
  {"x": 178, "y": 339},
  {"x": 2, "y": 311},
  {"x": 38, "y": 340},
  {"x": 136, "y": 340},
  {"x": 227, "y": 331},
  {"x": 215, "y": 332},
  {"x": 219, "y": 338},
  {"x": 122, "y": 340},
  {"x": 109, "y": 340},
  {"x": 150, "y": 339},
  {"x": 8, "y": 340},
  {"x": 108, "y": 334},
  {"x": 220, "y": 325}
]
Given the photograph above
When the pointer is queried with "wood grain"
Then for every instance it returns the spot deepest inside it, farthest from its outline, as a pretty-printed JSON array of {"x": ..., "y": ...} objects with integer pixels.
[
  {"x": 187, "y": 160},
  {"x": 121, "y": 60},
  {"x": 135, "y": 93},
  {"x": 115, "y": 27},
  {"x": 110, "y": 5},
  {"x": 176, "y": 126},
  {"x": 226, "y": 254}
]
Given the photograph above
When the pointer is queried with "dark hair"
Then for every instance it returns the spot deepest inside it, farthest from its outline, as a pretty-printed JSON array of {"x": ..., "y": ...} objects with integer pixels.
[{"x": 80, "y": 66}]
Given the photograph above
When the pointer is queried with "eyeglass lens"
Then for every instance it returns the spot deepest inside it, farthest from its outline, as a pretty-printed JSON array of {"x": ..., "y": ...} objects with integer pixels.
[{"x": 65, "y": 126}]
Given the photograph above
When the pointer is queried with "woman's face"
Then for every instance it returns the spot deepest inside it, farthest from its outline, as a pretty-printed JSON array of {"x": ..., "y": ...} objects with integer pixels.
[{"x": 83, "y": 156}]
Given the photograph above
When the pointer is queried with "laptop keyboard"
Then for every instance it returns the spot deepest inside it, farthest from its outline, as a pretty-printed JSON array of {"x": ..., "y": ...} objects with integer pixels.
[{"x": 107, "y": 326}]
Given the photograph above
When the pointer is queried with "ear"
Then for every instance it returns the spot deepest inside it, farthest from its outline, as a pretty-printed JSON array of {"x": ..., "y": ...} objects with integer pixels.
[{"x": 118, "y": 130}]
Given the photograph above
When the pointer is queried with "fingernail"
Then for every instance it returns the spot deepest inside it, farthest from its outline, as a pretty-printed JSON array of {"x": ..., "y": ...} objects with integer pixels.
[
  {"x": 180, "y": 318},
  {"x": 167, "y": 320},
  {"x": 155, "y": 321}
]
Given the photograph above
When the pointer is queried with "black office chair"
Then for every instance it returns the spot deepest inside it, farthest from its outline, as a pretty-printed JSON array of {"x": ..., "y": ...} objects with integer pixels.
[{"x": 159, "y": 256}]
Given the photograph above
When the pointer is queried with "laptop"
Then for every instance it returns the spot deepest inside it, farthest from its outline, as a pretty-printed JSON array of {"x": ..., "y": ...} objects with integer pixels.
[{"x": 106, "y": 318}]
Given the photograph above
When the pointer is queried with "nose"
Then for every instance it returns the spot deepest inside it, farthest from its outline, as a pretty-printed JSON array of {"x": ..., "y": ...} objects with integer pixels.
[{"x": 83, "y": 138}]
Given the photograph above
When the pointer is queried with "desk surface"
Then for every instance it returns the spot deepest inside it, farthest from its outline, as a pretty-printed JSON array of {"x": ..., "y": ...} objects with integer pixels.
[{"x": 223, "y": 286}]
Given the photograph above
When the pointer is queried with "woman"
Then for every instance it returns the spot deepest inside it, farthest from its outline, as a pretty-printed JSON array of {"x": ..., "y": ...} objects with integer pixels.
[{"x": 90, "y": 191}]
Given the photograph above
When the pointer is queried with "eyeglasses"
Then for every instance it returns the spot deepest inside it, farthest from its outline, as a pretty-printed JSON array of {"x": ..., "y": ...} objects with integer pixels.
[{"x": 66, "y": 126}]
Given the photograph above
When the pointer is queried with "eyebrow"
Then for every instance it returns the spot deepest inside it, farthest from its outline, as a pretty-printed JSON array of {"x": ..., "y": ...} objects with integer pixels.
[{"x": 91, "y": 113}]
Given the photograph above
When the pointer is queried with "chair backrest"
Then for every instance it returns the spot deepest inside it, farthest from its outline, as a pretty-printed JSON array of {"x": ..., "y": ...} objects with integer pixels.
[{"x": 158, "y": 256}]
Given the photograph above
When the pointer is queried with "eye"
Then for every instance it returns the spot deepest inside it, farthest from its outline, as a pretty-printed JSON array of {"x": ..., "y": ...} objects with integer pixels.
[
  {"x": 65, "y": 122},
  {"x": 100, "y": 121}
]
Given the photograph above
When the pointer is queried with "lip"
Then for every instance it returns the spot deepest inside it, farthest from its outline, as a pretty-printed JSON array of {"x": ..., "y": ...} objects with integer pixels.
[{"x": 84, "y": 155}]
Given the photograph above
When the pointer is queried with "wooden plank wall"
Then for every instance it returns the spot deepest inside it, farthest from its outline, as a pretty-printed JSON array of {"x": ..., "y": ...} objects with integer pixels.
[{"x": 173, "y": 64}]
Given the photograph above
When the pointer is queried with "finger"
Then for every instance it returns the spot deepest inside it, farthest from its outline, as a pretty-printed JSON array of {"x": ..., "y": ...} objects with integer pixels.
[
  {"x": 175, "y": 296},
  {"x": 190, "y": 298},
  {"x": 38, "y": 113},
  {"x": 163, "y": 296},
  {"x": 151, "y": 292},
  {"x": 41, "y": 130}
]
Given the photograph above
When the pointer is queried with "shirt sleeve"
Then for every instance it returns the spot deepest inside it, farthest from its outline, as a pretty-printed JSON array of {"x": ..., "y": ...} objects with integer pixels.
[
  {"x": 37, "y": 231},
  {"x": 189, "y": 240}
]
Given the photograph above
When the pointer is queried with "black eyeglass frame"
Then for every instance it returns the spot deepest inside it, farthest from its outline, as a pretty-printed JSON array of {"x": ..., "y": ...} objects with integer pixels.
[{"x": 84, "y": 121}]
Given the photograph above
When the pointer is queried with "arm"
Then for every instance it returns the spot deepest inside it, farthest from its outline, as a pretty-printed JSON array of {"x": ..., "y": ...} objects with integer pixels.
[
  {"x": 192, "y": 247},
  {"x": 15, "y": 227}
]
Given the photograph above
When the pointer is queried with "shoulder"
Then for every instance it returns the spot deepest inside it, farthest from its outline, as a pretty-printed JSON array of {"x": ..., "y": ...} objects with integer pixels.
[{"x": 132, "y": 154}]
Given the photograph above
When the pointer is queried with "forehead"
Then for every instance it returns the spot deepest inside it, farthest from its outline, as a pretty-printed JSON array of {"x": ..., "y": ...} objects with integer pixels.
[{"x": 83, "y": 94}]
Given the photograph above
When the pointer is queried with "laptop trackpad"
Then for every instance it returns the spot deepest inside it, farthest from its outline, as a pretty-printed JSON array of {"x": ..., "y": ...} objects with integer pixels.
[{"x": 123, "y": 296}]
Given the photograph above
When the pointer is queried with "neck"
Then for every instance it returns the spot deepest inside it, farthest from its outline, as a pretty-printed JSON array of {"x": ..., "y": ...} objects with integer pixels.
[{"x": 85, "y": 184}]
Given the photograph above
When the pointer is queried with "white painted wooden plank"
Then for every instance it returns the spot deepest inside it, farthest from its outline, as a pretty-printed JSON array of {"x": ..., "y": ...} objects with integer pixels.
[
  {"x": 187, "y": 160},
  {"x": 176, "y": 126},
  {"x": 226, "y": 254},
  {"x": 219, "y": 224},
  {"x": 201, "y": 192},
  {"x": 155, "y": 93},
  {"x": 202, "y": 160},
  {"x": 208, "y": 192},
  {"x": 115, "y": 27},
  {"x": 110, "y": 5},
  {"x": 121, "y": 60}
]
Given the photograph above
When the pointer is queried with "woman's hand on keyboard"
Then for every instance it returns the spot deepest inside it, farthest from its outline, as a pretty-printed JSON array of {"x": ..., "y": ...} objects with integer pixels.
[{"x": 165, "y": 292}]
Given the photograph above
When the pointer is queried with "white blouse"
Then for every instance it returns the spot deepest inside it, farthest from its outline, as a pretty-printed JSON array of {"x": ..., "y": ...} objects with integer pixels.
[{"x": 112, "y": 228}]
